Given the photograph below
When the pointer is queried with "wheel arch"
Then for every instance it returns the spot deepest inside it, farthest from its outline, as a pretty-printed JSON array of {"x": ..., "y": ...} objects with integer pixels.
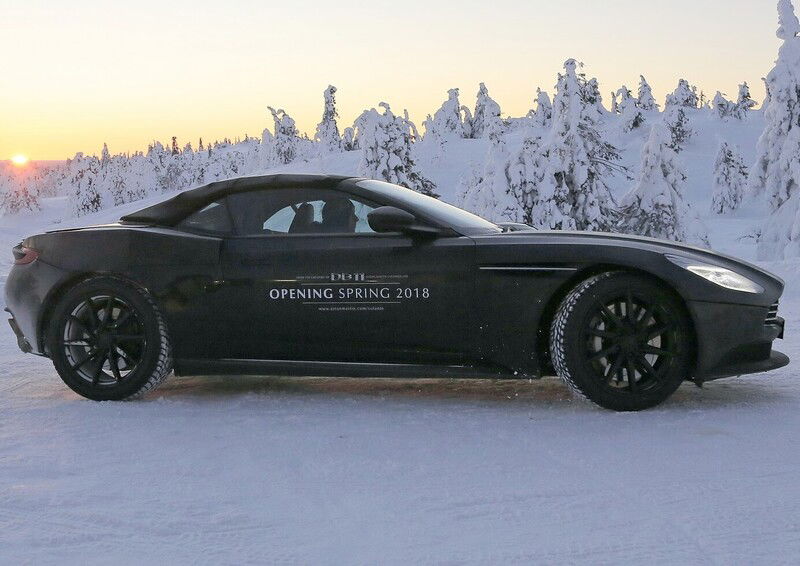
[{"x": 549, "y": 311}]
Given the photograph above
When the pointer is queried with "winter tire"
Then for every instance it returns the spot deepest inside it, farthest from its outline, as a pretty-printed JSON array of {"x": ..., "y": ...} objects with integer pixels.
[
  {"x": 108, "y": 340},
  {"x": 622, "y": 341}
]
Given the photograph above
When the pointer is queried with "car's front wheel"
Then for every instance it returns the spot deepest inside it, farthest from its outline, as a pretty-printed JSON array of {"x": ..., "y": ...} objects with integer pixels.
[
  {"x": 108, "y": 340},
  {"x": 622, "y": 341}
]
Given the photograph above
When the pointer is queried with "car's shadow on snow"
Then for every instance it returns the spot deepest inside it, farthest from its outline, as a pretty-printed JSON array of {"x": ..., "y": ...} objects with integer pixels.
[{"x": 548, "y": 392}]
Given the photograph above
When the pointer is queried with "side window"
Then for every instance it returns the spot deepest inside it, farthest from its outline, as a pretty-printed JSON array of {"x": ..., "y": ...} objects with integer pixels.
[
  {"x": 213, "y": 218},
  {"x": 299, "y": 211}
]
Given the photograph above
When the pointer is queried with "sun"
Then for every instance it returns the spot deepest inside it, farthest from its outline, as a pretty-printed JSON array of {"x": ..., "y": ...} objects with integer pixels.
[{"x": 19, "y": 160}]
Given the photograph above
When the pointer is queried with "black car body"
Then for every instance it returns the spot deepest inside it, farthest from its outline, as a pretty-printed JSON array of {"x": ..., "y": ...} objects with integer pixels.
[{"x": 441, "y": 293}]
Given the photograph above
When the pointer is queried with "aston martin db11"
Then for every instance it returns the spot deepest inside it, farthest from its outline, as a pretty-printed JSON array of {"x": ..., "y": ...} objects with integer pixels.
[{"x": 338, "y": 276}]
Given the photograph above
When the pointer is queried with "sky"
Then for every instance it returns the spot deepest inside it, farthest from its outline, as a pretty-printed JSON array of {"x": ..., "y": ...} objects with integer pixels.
[{"x": 78, "y": 73}]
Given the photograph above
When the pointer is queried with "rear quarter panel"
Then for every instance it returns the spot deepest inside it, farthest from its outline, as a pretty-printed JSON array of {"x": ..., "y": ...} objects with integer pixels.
[{"x": 177, "y": 268}]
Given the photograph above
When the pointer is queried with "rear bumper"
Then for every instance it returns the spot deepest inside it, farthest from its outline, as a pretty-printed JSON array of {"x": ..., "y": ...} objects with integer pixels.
[
  {"x": 735, "y": 340},
  {"x": 22, "y": 342},
  {"x": 28, "y": 289}
]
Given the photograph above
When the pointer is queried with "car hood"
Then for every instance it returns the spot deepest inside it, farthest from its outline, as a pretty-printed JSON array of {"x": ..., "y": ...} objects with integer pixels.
[{"x": 638, "y": 242}]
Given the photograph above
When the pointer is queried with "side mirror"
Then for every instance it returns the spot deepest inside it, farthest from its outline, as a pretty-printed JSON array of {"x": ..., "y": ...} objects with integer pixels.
[{"x": 392, "y": 219}]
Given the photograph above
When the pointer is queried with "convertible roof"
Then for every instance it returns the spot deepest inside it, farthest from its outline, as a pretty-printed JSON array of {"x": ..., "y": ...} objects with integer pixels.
[{"x": 175, "y": 209}]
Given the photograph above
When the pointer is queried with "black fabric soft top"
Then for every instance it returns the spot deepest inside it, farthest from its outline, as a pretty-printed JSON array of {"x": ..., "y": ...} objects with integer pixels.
[{"x": 172, "y": 211}]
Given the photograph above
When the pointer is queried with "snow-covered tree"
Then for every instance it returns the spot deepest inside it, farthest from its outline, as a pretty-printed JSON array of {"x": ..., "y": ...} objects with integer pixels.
[
  {"x": 593, "y": 97},
  {"x": 286, "y": 139},
  {"x": 485, "y": 191},
  {"x": 678, "y": 125},
  {"x": 446, "y": 121},
  {"x": 631, "y": 116},
  {"x": 776, "y": 172},
  {"x": 386, "y": 150},
  {"x": 487, "y": 114},
  {"x": 655, "y": 206},
  {"x": 327, "y": 130},
  {"x": 684, "y": 96},
  {"x": 542, "y": 117},
  {"x": 730, "y": 179},
  {"x": 578, "y": 159},
  {"x": 722, "y": 106},
  {"x": 348, "y": 139},
  {"x": 645, "y": 100},
  {"x": 777, "y": 167},
  {"x": 744, "y": 102},
  {"x": 86, "y": 196}
]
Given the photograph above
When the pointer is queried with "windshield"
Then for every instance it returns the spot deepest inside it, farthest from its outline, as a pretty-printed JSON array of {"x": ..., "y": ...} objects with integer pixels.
[{"x": 443, "y": 213}]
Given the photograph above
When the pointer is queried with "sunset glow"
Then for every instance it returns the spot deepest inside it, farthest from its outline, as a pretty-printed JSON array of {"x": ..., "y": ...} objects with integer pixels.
[{"x": 20, "y": 160}]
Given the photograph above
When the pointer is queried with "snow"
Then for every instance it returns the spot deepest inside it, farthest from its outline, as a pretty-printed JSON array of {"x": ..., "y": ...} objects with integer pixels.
[{"x": 334, "y": 471}]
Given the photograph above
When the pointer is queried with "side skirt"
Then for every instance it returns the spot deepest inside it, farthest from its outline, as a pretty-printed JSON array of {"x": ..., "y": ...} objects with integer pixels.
[{"x": 334, "y": 369}]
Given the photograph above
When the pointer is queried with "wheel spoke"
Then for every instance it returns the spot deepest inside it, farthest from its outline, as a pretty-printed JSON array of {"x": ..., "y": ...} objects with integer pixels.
[
  {"x": 94, "y": 322},
  {"x": 629, "y": 307},
  {"x": 98, "y": 372},
  {"x": 611, "y": 315},
  {"x": 76, "y": 343},
  {"x": 615, "y": 368},
  {"x": 123, "y": 318},
  {"x": 91, "y": 355},
  {"x": 113, "y": 361},
  {"x": 657, "y": 330},
  {"x": 631, "y": 370},
  {"x": 80, "y": 323},
  {"x": 126, "y": 358},
  {"x": 642, "y": 322},
  {"x": 604, "y": 353},
  {"x": 107, "y": 312},
  {"x": 648, "y": 349},
  {"x": 644, "y": 366}
]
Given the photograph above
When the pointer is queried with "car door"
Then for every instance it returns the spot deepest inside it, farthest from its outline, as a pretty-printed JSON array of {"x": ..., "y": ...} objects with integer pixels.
[{"x": 306, "y": 278}]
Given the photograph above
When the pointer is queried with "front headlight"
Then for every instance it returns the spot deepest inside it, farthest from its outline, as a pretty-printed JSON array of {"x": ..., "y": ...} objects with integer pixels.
[{"x": 718, "y": 275}]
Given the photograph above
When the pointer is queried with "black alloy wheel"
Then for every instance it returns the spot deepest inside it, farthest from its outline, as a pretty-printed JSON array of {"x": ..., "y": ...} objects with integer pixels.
[
  {"x": 108, "y": 340},
  {"x": 623, "y": 341}
]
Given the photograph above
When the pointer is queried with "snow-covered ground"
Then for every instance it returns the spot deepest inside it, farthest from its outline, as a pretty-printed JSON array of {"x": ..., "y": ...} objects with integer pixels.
[{"x": 313, "y": 471}]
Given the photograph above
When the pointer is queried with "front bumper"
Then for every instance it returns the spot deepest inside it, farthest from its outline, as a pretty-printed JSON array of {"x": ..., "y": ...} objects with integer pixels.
[{"x": 735, "y": 340}]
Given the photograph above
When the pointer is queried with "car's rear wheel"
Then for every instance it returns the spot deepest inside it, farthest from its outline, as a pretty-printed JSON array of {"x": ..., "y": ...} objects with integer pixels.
[
  {"x": 622, "y": 341},
  {"x": 108, "y": 340}
]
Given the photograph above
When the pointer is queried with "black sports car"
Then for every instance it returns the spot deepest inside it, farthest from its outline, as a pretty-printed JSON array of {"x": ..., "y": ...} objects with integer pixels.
[{"x": 336, "y": 276}]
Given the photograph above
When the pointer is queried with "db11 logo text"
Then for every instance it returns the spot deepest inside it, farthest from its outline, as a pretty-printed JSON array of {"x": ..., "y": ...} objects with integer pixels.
[{"x": 347, "y": 277}]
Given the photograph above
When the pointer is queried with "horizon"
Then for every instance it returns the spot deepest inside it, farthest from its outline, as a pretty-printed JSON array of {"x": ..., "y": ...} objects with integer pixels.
[{"x": 214, "y": 74}]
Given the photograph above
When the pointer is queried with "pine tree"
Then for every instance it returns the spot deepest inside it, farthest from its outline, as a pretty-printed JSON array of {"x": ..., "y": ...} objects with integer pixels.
[
  {"x": 646, "y": 101},
  {"x": 86, "y": 197},
  {"x": 348, "y": 139},
  {"x": 386, "y": 150},
  {"x": 678, "y": 125},
  {"x": 485, "y": 190},
  {"x": 776, "y": 169},
  {"x": 327, "y": 130},
  {"x": 446, "y": 121},
  {"x": 543, "y": 115},
  {"x": 487, "y": 114},
  {"x": 631, "y": 115},
  {"x": 744, "y": 102},
  {"x": 776, "y": 172},
  {"x": 722, "y": 107},
  {"x": 286, "y": 140},
  {"x": 684, "y": 96},
  {"x": 175, "y": 149},
  {"x": 655, "y": 207},
  {"x": 468, "y": 121},
  {"x": 730, "y": 179},
  {"x": 574, "y": 191}
]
